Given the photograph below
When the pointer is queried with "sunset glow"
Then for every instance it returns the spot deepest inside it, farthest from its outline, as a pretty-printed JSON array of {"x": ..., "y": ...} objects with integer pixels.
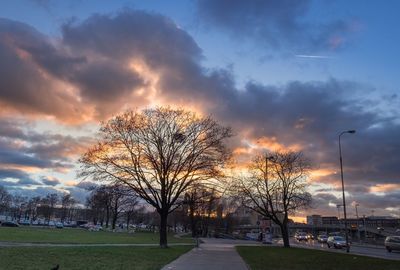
[{"x": 284, "y": 81}]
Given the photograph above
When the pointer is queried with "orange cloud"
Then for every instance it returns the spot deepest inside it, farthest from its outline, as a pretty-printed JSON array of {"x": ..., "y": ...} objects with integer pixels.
[
  {"x": 272, "y": 144},
  {"x": 384, "y": 187},
  {"x": 317, "y": 174}
]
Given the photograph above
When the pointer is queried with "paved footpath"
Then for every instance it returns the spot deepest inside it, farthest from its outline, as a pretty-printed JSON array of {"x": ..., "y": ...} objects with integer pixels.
[{"x": 212, "y": 254}]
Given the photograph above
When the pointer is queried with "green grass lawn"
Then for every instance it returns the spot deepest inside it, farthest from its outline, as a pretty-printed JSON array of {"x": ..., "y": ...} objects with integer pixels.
[
  {"x": 278, "y": 258},
  {"x": 44, "y": 258},
  {"x": 80, "y": 236}
]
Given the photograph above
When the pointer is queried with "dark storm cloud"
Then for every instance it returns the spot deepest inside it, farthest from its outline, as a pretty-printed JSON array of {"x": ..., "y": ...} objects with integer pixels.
[
  {"x": 22, "y": 85},
  {"x": 136, "y": 35},
  {"x": 325, "y": 203},
  {"x": 94, "y": 57},
  {"x": 41, "y": 191},
  {"x": 371, "y": 201},
  {"x": 23, "y": 178},
  {"x": 24, "y": 147},
  {"x": 151, "y": 36},
  {"x": 14, "y": 156},
  {"x": 50, "y": 181},
  {"x": 58, "y": 147},
  {"x": 312, "y": 114},
  {"x": 86, "y": 185},
  {"x": 274, "y": 23}
]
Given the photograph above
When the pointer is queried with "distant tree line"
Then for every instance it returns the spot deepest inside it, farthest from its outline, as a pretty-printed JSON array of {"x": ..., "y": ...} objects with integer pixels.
[
  {"x": 202, "y": 210},
  {"x": 52, "y": 205}
]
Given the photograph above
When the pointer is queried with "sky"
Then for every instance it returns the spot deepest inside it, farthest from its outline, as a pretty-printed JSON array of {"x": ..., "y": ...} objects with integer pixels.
[{"x": 285, "y": 75}]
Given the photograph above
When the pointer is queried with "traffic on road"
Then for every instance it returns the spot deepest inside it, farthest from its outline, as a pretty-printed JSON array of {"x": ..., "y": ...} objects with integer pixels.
[{"x": 338, "y": 243}]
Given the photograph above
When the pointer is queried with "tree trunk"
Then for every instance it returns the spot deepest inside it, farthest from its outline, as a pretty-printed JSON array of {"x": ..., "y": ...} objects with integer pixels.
[
  {"x": 285, "y": 235},
  {"x": 107, "y": 216},
  {"x": 163, "y": 228},
  {"x": 114, "y": 220},
  {"x": 193, "y": 222},
  {"x": 128, "y": 219}
]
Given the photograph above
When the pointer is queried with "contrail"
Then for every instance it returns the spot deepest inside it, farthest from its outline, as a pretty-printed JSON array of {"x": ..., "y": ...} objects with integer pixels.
[{"x": 313, "y": 56}]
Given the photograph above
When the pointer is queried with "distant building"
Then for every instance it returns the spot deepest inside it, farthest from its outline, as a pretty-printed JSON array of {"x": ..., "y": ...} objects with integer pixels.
[
  {"x": 371, "y": 221},
  {"x": 246, "y": 216},
  {"x": 375, "y": 221},
  {"x": 315, "y": 220},
  {"x": 330, "y": 221}
]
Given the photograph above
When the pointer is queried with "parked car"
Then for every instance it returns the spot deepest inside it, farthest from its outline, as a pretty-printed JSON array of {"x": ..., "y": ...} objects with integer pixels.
[
  {"x": 24, "y": 222},
  {"x": 301, "y": 236},
  {"x": 59, "y": 225},
  {"x": 322, "y": 238},
  {"x": 9, "y": 224},
  {"x": 310, "y": 236},
  {"x": 336, "y": 242},
  {"x": 95, "y": 228},
  {"x": 392, "y": 243}
]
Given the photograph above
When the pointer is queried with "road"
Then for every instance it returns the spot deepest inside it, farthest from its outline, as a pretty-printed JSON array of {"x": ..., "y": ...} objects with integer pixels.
[{"x": 378, "y": 252}]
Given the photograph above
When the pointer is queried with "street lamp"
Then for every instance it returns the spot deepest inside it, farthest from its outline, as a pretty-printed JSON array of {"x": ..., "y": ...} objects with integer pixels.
[
  {"x": 344, "y": 199},
  {"x": 356, "y": 205},
  {"x": 272, "y": 159},
  {"x": 338, "y": 211},
  {"x": 358, "y": 225}
]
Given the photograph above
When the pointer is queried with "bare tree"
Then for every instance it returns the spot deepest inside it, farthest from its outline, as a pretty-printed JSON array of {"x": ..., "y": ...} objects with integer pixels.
[
  {"x": 33, "y": 205},
  {"x": 200, "y": 201},
  {"x": 99, "y": 204},
  {"x": 5, "y": 200},
  {"x": 158, "y": 153},
  {"x": 121, "y": 199},
  {"x": 276, "y": 187},
  {"x": 19, "y": 204},
  {"x": 48, "y": 205},
  {"x": 67, "y": 202},
  {"x": 130, "y": 208}
]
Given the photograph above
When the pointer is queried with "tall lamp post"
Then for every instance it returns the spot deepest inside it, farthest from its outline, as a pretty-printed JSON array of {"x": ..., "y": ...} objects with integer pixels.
[
  {"x": 358, "y": 225},
  {"x": 356, "y": 205},
  {"x": 267, "y": 158},
  {"x": 344, "y": 199}
]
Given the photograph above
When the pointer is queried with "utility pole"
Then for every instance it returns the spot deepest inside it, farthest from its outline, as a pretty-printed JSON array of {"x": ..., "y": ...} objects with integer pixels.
[
  {"x": 365, "y": 229},
  {"x": 356, "y": 205},
  {"x": 343, "y": 194},
  {"x": 358, "y": 225},
  {"x": 338, "y": 211}
]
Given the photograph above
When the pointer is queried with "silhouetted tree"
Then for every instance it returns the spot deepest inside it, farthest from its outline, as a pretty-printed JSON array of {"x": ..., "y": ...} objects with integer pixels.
[
  {"x": 67, "y": 203},
  {"x": 48, "y": 204},
  {"x": 158, "y": 153},
  {"x": 5, "y": 200},
  {"x": 130, "y": 208},
  {"x": 276, "y": 187}
]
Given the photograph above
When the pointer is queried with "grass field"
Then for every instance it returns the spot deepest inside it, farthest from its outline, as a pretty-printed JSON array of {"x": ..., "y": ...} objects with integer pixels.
[
  {"x": 278, "y": 258},
  {"x": 80, "y": 236},
  {"x": 44, "y": 258}
]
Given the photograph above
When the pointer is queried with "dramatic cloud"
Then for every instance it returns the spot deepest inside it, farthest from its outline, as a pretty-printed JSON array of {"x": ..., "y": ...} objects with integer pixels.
[
  {"x": 23, "y": 148},
  {"x": 106, "y": 63},
  {"x": 23, "y": 83},
  {"x": 22, "y": 178},
  {"x": 278, "y": 24},
  {"x": 50, "y": 181}
]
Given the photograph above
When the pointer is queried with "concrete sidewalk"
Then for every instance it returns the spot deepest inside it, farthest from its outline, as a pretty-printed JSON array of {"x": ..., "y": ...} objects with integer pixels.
[{"x": 213, "y": 254}]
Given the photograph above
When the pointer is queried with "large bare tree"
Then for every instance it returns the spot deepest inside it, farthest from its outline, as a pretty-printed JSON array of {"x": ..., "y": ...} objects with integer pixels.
[
  {"x": 158, "y": 153},
  {"x": 276, "y": 187}
]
